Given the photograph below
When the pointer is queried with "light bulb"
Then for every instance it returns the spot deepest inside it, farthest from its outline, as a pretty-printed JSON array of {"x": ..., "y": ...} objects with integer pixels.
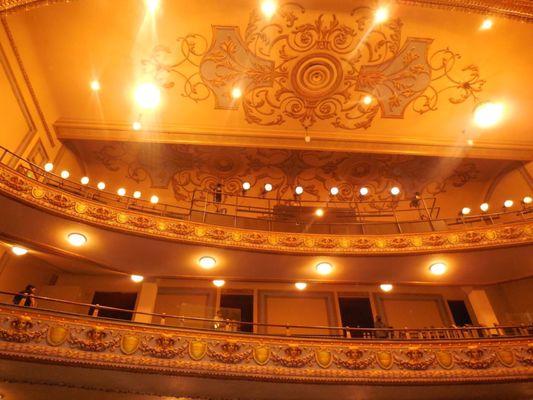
[
  {"x": 246, "y": 186},
  {"x": 147, "y": 95},
  {"x": 381, "y": 15},
  {"x": 19, "y": 251},
  {"x": 101, "y": 186},
  {"x": 207, "y": 262},
  {"x": 395, "y": 191},
  {"x": 334, "y": 191},
  {"x": 508, "y": 203},
  {"x": 438, "y": 268},
  {"x": 484, "y": 207},
  {"x": 363, "y": 191},
  {"x": 319, "y": 212},
  {"x": 219, "y": 282},
  {"x": 486, "y": 24},
  {"x": 95, "y": 85},
  {"x": 77, "y": 239},
  {"x": 367, "y": 100},
  {"x": 236, "y": 93},
  {"x": 154, "y": 199},
  {"x": 465, "y": 211},
  {"x": 137, "y": 278},
  {"x": 386, "y": 287},
  {"x": 268, "y": 187},
  {"x": 324, "y": 268},
  {"x": 65, "y": 174},
  {"x": 137, "y": 194},
  {"x": 84, "y": 180},
  {"x": 121, "y": 192},
  {"x": 48, "y": 167},
  {"x": 527, "y": 200},
  {"x": 300, "y": 285},
  {"x": 488, "y": 114},
  {"x": 299, "y": 190},
  {"x": 268, "y": 8}
]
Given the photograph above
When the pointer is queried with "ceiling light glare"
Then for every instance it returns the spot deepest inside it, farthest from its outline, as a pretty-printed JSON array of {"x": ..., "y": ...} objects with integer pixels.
[
  {"x": 363, "y": 191},
  {"x": 137, "y": 278},
  {"x": 465, "y": 211},
  {"x": 65, "y": 174},
  {"x": 299, "y": 190},
  {"x": 381, "y": 15},
  {"x": 395, "y": 191},
  {"x": 268, "y": 8},
  {"x": 324, "y": 268},
  {"x": 268, "y": 187},
  {"x": 484, "y": 207},
  {"x": 48, "y": 167},
  {"x": 236, "y": 93},
  {"x": 486, "y": 24},
  {"x": 136, "y": 126},
  {"x": 121, "y": 192},
  {"x": 147, "y": 96},
  {"x": 137, "y": 194},
  {"x": 246, "y": 186},
  {"x": 84, "y": 180},
  {"x": 386, "y": 287},
  {"x": 77, "y": 239},
  {"x": 19, "y": 251},
  {"x": 207, "y": 262},
  {"x": 438, "y": 268},
  {"x": 488, "y": 114},
  {"x": 300, "y": 285},
  {"x": 319, "y": 212},
  {"x": 152, "y": 6},
  {"x": 334, "y": 191},
  {"x": 219, "y": 282},
  {"x": 95, "y": 85},
  {"x": 101, "y": 186},
  {"x": 154, "y": 199},
  {"x": 508, "y": 203},
  {"x": 527, "y": 200},
  {"x": 367, "y": 100}
]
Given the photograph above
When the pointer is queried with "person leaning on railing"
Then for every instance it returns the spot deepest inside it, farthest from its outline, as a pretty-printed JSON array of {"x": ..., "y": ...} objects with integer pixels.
[{"x": 26, "y": 298}]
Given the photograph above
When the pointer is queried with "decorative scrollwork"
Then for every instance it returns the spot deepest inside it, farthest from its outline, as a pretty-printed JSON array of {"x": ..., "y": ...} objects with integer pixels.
[
  {"x": 165, "y": 347},
  {"x": 21, "y": 330},
  {"x": 231, "y": 352},
  {"x": 354, "y": 358},
  {"x": 94, "y": 339},
  {"x": 415, "y": 359},
  {"x": 294, "y": 357},
  {"x": 475, "y": 358},
  {"x": 525, "y": 355}
]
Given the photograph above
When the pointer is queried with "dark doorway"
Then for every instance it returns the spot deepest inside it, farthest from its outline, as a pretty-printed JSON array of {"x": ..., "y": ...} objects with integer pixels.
[
  {"x": 242, "y": 302},
  {"x": 115, "y": 299},
  {"x": 356, "y": 312},
  {"x": 460, "y": 314}
]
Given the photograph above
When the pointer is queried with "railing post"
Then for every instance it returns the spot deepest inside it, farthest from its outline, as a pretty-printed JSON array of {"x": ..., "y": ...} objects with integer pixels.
[
  {"x": 96, "y": 310},
  {"x": 428, "y": 214},
  {"x": 163, "y": 319},
  {"x": 348, "y": 333},
  {"x": 287, "y": 330}
]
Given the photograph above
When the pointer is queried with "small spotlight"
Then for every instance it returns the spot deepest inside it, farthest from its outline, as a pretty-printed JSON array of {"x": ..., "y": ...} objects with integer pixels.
[
  {"x": 508, "y": 203},
  {"x": 300, "y": 285},
  {"x": 484, "y": 207},
  {"x": 527, "y": 200},
  {"x": 307, "y": 139},
  {"x": 84, "y": 180},
  {"x": 137, "y": 194},
  {"x": 77, "y": 239},
  {"x": 488, "y": 114},
  {"x": 381, "y": 15},
  {"x": 95, "y": 85},
  {"x": 136, "y": 126},
  {"x": 121, "y": 192},
  {"x": 395, "y": 191},
  {"x": 268, "y": 8},
  {"x": 147, "y": 95},
  {"x": 367, "y": 100},
  {"x": 438, "y": 268},
  {"x": 65, "y": 174},
  {"x": 154, "y": 199},
  {"x": 319, "y": 212},
  {"x": 207, "y": 262},
  {"x": 236, "y": 93},
  {"x": 470, "y": 142},
  {"x": 48, "y": 167},
  {"x": 137, "y": 278},
  {"x": 152, "y": 6},
  {"x": 334, "y": 191},
  {"x": 101, "y": 186},
  {"x": 19, "y": 251},
  {"x": 486, "y": 24},
  {"x": 324, "y": 268},
  {"x": 268, "y": 187},
  {"x": 465, "y": 211},
  {"x": 386, "y": 287},
  {"x": 246, "y": 186},
  {"x": 219, "y": 282},
  {"x": 363, "y": 191},
  {"x": 299, "y": 190}
]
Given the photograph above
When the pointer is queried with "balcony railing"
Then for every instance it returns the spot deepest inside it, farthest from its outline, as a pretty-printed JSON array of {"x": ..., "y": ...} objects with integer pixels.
[{"x": 354, "y": 217}]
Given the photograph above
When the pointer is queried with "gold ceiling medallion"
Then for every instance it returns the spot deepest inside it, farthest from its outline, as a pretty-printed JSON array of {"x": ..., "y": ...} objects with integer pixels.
[{"x": 307, "y": 67}]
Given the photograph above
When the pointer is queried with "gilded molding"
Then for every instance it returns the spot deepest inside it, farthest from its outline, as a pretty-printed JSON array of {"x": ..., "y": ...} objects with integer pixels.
[
  {"x": 29, "y": 191},
  {"x": 123, "y": 346}
]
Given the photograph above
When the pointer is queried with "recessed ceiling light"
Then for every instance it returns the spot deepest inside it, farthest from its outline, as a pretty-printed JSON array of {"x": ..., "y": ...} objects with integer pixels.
[
  {"x": 147, "y": 95},
  {"x": 101, "y": 185},
  {"x": 300, "y": 285},
  {"x": 484, "y": 207},
  {"x": 324, "y": 268},
  {"x": 367, "y": 100},
  {"x": 470, "y": 142},
  {"x": 319, "y": 212},
  {"x": 19, "y": 251},
  {"x": 381, "y": 15},
  {"x": 136, "y": 126},
  {"x": 268, "y": 8},
  {"x": 386, "y": 287},
  {"x": 488, "y": 114},
  {"x": 363, "y": 191},
  {"x": 95, "y": 85},
  {"x": 48, "y": 167},
  {"x": 152, "y": 6},
  {"x": 219, "y": 282},
  {"x": 508, "y": 203},
  {"x": 465, "y": 211},
  {"x": 207, "y": 262},
  {"x": 84, "y": 180},
  {"x": 137, "y": 278},
  {"x": 438, "y": 268},
  {"x": 268, "y": 187},
  {"x": 527, "y": 200},
  {"x": 137, "y": 194},
  {"x": 334, "y": 191},
  {"x": 65, "y": 174},
  {"x": 154, "y": 199},
  {"x": 395, "y": 191},
  {"x": 236, "y": 93},
  {"x": 77, "y": 239},
  {"x": 121, "y": 192},
  {"x": 299, "y": 190},
  {"x": 486, "y": 24},
  {"x": 246, "y": 186}
]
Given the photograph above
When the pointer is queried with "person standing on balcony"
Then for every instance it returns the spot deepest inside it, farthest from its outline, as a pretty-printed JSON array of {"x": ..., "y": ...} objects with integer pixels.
[
  {"x": 378, "y": 323},
  {"x": 26, "y": 298}
]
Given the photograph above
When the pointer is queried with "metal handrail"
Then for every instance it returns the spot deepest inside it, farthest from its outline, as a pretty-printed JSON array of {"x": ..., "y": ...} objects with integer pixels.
[
  {"x": 364, "y": 212},
  {"x": 452, "y": 333}
]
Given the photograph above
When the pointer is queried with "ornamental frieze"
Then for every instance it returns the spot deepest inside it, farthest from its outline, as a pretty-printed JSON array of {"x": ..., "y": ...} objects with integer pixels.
[
  {"x": 354, "y": 358},
  {"x": 164, "y": 346},
  {"x": 229, "y": 352},
  {"x": 475, "y": 357},
  {"x": 94, "y": 339},
  {"x": 108, "y": 216},
  {"x": 414, "y": 358},
  {"x": 21, "y": 329}
]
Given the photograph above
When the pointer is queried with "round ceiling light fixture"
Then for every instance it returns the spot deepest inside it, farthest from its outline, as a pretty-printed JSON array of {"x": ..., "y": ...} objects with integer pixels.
[
  {"x": 488, "y": 114},
  {"x": 246, "y": 186},
  {"x": 136, "y": 126},
  {"x": 386, "y": 287},
  {"x": 19, "y": 251},
  {"x": 121, "y": 192},
  {"x": 48, "y": 167},
  {"x": 319, "y": 212},
  {"x": 508, "y": 203},
  {"x": 465, "y": 211},
  {"x": 299, "y": 190},
  {"x": 147, "y": 96},
  {"x": 268, "y": 187},
  {"x": 438, "y": 268},
  {"x": 77, "y": 239},
  {"x": 268, "y": 8},
  {"x": 101, "y": 185},
  {"x": 154, "y": 199},
  {"x": 137, "y": 278},
  {"x": 152, "y": 6},
  {"x": 236, "y": 93},
  {"x": 219, "y": 282},
  {"x": 527, "y": 200},
  {"x": 367, "y": 100},
  {"x": 65, "y": 174},
  {"x": 395, "y": 191},
  {"x": 300, "y": 285},
  {"x": 137, "y": 194},
  {"x": 486, "y": 24},
  {"x": 95, "y": 85},
  {"x": 334, "y": 191},
  {"x": 381, "y": 15},
  {"x": 84, "y": 180},
  {"x": 484, "y": 207},
  {"x": 207, "y": 262},
  {"x": 324, "y": 268},
  {"x": 363, "y": 191}
]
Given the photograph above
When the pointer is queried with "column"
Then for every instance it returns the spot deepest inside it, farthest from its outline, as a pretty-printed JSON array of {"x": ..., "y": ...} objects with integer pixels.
[
  {"x": 146, "y": 302},
  {"x": 482, "y": 307}
]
